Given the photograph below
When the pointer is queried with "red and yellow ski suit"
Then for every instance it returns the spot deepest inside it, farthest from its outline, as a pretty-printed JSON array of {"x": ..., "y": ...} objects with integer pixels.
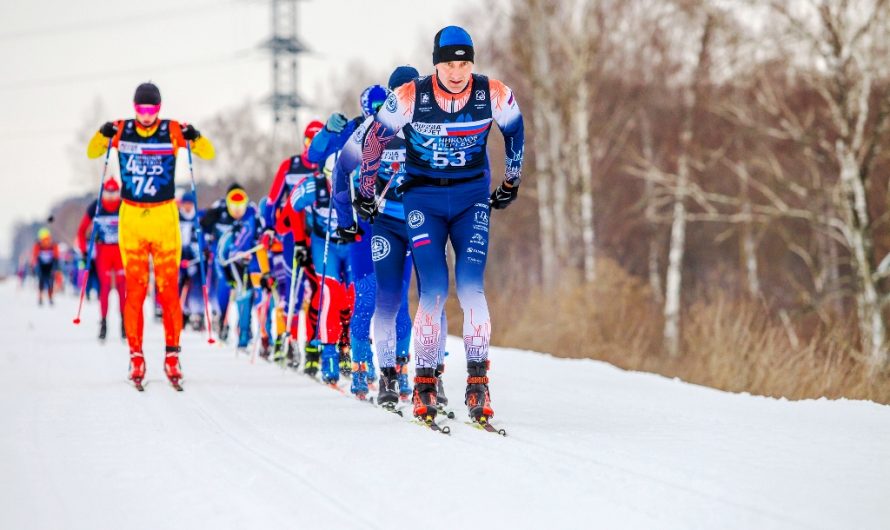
[{"x": 149, "y": 218}]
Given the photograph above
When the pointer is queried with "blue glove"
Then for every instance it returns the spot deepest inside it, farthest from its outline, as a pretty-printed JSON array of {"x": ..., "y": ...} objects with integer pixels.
[{"x": 336, "y": 123}]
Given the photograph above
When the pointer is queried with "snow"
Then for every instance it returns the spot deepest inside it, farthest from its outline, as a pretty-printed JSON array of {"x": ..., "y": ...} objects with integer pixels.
[{"x": 253, "y": 446}]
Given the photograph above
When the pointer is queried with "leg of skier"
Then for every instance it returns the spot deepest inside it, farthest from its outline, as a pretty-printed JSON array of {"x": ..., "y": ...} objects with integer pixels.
[{"x": 104, "y": 271}]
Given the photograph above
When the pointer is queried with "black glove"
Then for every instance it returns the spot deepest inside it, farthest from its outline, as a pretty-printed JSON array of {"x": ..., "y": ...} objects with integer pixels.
[
  {"x": 366, "y": 208},
  {"x": 301, "y": 254},
  {"x": 350, "y": 234},
  {"x": 108, "y": 129},
  {"x": 503, "y": 196},
  {"x": 190, "y": 133}
]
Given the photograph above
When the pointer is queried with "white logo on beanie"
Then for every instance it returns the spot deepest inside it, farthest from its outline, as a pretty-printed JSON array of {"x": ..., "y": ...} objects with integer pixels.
[{"x": 459, "y": 52}]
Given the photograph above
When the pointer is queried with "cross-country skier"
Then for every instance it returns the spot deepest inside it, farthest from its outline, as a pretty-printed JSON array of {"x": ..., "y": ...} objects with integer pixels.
[
  {"x": 149, "y": 220},
  {"x": 282, "y": 222},
  {"x": 330, "y": 261},
  {"x": 216, "y": 222},
  {"x": 44, "y": 262},
  {"x": 107, "y": 254},
  {"x": 446, "y": 118},
  {"x": 356, "y": 324},
  {"x": 189, "y": 266}
]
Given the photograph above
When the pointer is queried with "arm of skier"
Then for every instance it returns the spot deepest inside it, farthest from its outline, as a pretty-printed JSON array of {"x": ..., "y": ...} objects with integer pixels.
[
  {"x": 99, "y": 142},
  {"x": 326, "y": 143},
  {"x": 276, "y": 189},
  {"x": 396, "y": 112},
  {"x": 303, "y": 194},
  {"x": 349, "y": 159},
  {"x": 505, "y": 111}
]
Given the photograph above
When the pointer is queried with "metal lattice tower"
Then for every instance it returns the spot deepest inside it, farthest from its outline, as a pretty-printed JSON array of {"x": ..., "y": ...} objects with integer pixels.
[{"x": 285, "y": 48}]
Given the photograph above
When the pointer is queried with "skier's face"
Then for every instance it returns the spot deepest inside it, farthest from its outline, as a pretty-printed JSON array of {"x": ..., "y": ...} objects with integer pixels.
[
  {"x": 147, "y": 115},
  {"x": 454, "y": 75},
  {"x": 187, "y": 208}
]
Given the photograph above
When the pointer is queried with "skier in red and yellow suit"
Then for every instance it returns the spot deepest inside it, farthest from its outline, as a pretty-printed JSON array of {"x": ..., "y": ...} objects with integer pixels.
[{"x": 149, "y": 219}]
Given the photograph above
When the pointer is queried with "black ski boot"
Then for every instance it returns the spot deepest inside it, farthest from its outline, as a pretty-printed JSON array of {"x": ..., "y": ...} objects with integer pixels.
[
  {"x": 387, "y": 395},
  {"x": 103, "y": 329},
  {"x": 223, "y": 330},
  {"x": 123, "y": 329},
  {"x": 441, "y": 398},
  {"x": 345, "y": 359},
  {"x": 477, "y": 398},
  {"x": 310, "y": 367},
  {"x": 425, "y": 394}
]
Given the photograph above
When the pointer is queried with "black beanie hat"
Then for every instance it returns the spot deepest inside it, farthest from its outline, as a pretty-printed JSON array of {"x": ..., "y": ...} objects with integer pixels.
[
  {"x": 452, "y": 43},
  {"x": 147, "y": 94}
]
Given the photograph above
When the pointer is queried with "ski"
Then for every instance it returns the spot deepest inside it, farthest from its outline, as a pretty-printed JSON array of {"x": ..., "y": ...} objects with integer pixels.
[
  {"x": 392, "y": 408},
  {"x": 176, "y": 384},
  {"x": 483, "y": 425},
  {"x": 430, "y": 423},
  {"x": 448, "y": 413}
]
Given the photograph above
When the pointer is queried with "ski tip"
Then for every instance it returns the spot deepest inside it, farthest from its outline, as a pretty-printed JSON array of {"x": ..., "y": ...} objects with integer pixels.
[{"x": 445, "y": 430}]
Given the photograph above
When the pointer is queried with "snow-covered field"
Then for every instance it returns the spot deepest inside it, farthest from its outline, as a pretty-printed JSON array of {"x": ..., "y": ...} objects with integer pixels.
[{"x": 253, "y": 446}]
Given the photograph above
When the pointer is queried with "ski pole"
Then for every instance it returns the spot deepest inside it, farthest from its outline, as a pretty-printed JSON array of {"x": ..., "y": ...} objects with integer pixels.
[
  {"x": 324, "y": 259},
  {"x": 239, "y": 255},
  {"x": 84, "y": 275},
  {"x": 199, "y": 236}
]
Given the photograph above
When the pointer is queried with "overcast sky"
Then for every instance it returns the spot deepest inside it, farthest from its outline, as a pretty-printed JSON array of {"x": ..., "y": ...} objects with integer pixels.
[{"x": 58, "y": 57}]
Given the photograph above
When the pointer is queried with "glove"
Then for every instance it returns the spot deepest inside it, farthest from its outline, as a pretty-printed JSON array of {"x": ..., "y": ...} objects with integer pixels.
[
  {"x": 336, "y": 123},
  {"x": 301, "y": 254},
  {"x": 366, "y": 208},
  {"x": 266, "y": 281},
  {"x": 184, "y": 264},
  {"x": 108, "y": 130},
  {"x": 190, "y": 133},
  {"x": 351, "y": 234},
  {"x": 503, "y": 196}
]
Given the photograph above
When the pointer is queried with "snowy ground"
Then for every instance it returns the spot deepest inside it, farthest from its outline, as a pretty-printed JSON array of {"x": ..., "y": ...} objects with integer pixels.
[{"x": 252, "y": 446}]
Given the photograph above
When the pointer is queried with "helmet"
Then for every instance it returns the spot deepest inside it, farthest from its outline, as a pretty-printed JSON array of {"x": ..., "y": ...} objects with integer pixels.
[
  {"x": 236, "y": 201},
  {"x": 312, "y": 129},
  {"x": 372, "y": 99},
  {"x": 401, "y": 75},
  {"x": 111, "y": 186},
  {"x": 43, "y": 234}
]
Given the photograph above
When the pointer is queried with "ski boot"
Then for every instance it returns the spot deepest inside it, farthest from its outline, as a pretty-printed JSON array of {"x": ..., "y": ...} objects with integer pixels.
[
  {"x": 292, "y": 354},
  {"x": 441, "y": 398},
  {"x": 311, "y": 366},
  {"x": 223, "y": 332},
  {"x": 425, "y": 394},
  {"x": 265, "y": 347},
  {"x": 123, "y": 329},
  {"x": 345, "y": 359},
  {"x": 359, "y": 385},
  {"x": 387, "y": 396},
  {"x": 103, "y": 329},
  {"x": 278, "y": 353},
  {"x": 330, "y": 363},
  {"x": 137, "y": 367},
  {"x": 402, "y": 377},
  {"x": 477, "y": 398},
  {"x": 172, "y": 367}
]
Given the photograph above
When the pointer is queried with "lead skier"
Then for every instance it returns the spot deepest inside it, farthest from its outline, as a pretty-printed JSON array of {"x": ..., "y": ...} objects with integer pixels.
[{"x": 446, "y": 119}]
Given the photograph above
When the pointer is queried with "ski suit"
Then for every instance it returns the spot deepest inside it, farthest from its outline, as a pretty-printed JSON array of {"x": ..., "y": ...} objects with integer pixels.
[
  {"x": 107, "y": 254},
  {"x": 44, "y": 262},
  {"x": 149, "y": 218},
  {"x": 288, "y": 225},
  {"x": 446, "y": 194},
  {"x": 312, "y": 195},
  {"x": 215, "y": 224}
]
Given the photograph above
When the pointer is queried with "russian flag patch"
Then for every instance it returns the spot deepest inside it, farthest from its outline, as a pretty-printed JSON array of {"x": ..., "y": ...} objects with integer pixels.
[{"x": 421, "y": 240}]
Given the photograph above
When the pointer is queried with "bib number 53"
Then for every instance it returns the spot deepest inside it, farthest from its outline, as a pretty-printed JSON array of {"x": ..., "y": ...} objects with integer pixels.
[{"x": 445, "y": 159}]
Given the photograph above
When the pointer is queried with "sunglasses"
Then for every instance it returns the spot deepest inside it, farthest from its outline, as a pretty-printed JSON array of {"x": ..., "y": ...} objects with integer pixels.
[{"x": 147, "y": 109}]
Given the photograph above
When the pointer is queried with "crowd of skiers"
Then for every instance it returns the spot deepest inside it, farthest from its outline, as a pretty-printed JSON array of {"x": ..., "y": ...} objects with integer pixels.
[{"x": 366, "y": 204}]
